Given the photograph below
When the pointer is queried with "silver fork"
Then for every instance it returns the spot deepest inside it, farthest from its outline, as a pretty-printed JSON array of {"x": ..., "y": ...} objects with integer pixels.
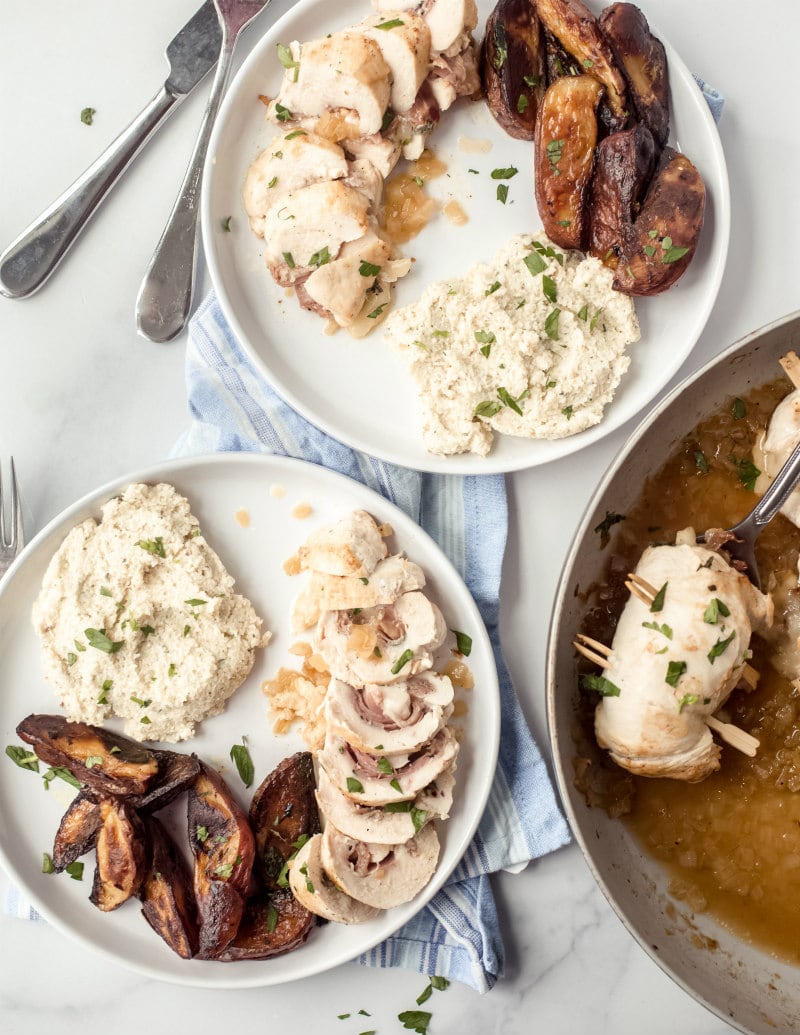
[{"x": 11, "y": 536}]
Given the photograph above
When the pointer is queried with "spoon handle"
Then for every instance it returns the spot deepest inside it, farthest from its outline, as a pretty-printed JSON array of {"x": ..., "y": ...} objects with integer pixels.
[
  {"x": 165, "y": 296},
  {"x": 30, "y": 259}
]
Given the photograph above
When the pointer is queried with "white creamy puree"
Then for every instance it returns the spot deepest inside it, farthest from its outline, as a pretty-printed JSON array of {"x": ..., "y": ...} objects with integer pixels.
[
  {"x": 532, "y": 344},
  {"x": 168, "y": 641}
]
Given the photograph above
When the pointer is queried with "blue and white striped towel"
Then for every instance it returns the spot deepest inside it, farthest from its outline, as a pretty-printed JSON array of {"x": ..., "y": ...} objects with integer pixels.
[{"x": 457, "y": 935}]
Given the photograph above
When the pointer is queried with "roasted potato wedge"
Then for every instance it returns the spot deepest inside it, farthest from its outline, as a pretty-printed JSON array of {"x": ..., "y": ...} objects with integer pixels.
[
  {"x": 666, "y": 233},
  {"x": 513, "y": 69},
  {"x": 166, "y": 894},
  {"x": 283, "y": 813},
  {"x": 176, "y": 773},
  {"x": 273, "y": 923},
  {"x": 566, "y": 136},
  {"x": 224, "y": 849},
  {"x": 643, "y": 61},
  {"x": 121, "y": 855},
  {"x": 78, "y": 830},
  {"x": 105, "y": 761},
  {"x": 578, "y": 32},
  {"x": 624, "y": 165}
]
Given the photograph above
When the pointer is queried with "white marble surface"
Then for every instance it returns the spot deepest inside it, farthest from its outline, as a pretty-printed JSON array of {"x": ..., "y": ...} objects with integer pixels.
[{"x": 85, "y": 400}]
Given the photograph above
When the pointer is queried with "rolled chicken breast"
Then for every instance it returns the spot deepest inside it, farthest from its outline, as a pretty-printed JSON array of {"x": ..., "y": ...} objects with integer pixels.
[
  {"x": 773, "y": 448},
  {"x": 314, "y": 889},
  {"x": 677, "y": 661}
]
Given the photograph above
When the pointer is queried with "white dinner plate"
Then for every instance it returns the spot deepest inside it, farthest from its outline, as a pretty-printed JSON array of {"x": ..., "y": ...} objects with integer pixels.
[
  {"x": 218, "y": 489},
  {"x": 361, "y": 391}
]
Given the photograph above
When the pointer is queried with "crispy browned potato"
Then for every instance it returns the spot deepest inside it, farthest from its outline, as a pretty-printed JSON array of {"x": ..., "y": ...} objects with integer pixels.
[
  {"x": 78, "y": 830},
  {"x": 224, "y": 849},
  {"x": 109, "y": 763},
  {"x": 624, "y": 164},
  {"x": 121, "y": 855},
  {"x": 168, "y": 903},
  {"x": 176, "y": 773},
  {"x": 283, "y": 813},
  {"x": 643, "y": 61},
  {"x": 578, "y": 31},
  {"x": 513, "y": 66},
  {"x": 273, "y": 923},
  {"x": 566, "y": 135},
  {"x": 666, "y": 233}
]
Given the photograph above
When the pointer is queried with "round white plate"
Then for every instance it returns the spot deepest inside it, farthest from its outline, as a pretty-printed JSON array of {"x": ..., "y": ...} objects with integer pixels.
[
  {"x": 360, "y": 391},
  {"x": 218, "y": 487}
]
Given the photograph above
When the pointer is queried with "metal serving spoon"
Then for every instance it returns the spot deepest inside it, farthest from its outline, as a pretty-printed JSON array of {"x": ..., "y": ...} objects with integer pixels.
[
  {"x": 165, "y": 297},
  {"x": 742, "y": 548}
]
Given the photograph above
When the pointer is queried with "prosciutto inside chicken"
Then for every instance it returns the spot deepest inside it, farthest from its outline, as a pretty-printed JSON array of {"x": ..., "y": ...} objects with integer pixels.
[{"x": 676, "y": 661}]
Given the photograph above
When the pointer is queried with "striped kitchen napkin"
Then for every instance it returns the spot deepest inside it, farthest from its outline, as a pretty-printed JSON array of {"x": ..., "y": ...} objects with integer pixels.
[{"x": 457, "y": 935}]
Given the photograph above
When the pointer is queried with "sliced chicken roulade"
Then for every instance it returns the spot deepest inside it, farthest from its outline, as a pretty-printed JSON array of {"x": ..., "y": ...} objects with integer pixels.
[
  {"x": 351, "y": 546},
  {"x": 389, "y": 824},
  {"x": 676, "y": 661},
  {"x": 382, "y": 876},
  {"x": 313, "y": 888},
  {"x": 381, "y": 644},
  {"x": 386, "y": 779},
  {"x": 399, "y": 717}
]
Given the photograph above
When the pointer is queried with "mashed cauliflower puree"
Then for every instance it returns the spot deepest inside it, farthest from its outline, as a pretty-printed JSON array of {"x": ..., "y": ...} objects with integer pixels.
[
  {"x": 138, "y": 619},
  {"x": 532, "y": 344}
]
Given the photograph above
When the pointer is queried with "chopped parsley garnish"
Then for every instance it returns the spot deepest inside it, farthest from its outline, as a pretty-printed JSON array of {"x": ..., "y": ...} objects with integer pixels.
[
  {"x": 320, "y": 258},
  {"x": 97, "y": 638},
  {"x": 535, "y": 263},
  {"x": 47, "y": 863},
  {"x": 395, "y": 785},
  {"x": 502, "y": 193},
  {"x": 415, "y": 1020},
  {"x": 384, "y": 766},
  {"x": 402, "y": 661},
  {"x": 720, "y": 647},
  {"x": 354, "y": 786},
  {"x": 154, "y": 546},
  {"x": 195, "y": 602},
  {"x": 567, "y": 411},
  {"x": 224, "y": 870},
  {"x": 463, "y": 643},
  {"x": 272, "y": 918},
  {"x": 522, "y": 103},
  {"x": 675, "y": 669},
  {"x": 508, "y": 400},
  {"x": 485, "y": 338},
  {"x": 295, "y": 133},
  {"x": 87, "y": 115},
  {"x": 75, "y": 870},
  {"x": 393, "y": 23},
  {"x": 600, "y": 685},
  {"x": 201, "y": 833},
  {"x": 288, "y": 258},
  {"x": 700, "y": 461},
  {"x": 491, "y": 289},
  {"x": 62, "y": 773},
  {"x": 739, "y": 409},
  {"x": 714, "y": 610},
  {"x": 549, "y": 288},
  {"x": 93, "y": 760},
  {"x": 554, "y": 149},
  {"x": 376, "y": 312},
  {"x": 240, "y": 755},
  {"x": 368, "y": 269},
  {"x": 226, "y": 224},
  {"x": 286, "y": 59},
  {"x": 687, "y": 699},
  {"x": 22, "y": 757},
  {"x": 143, "y": 703},
  {"x": 748, "y": 472},
  {"x": 102, "y": 697},
  {"x": 658, "y": 600},
  {"x": 504, "y": 174},
  {"x": 551, "y": 324},
  {"x": 605, "y": 525},
  {"x": 664, "y": 629},
  {"x": 282, "y": 114}
]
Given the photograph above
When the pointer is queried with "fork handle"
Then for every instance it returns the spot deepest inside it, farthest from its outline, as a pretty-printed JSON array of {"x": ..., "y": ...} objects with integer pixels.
[
  {"x": 165, "y": 296},
  {"x": 30, "y": 259}
]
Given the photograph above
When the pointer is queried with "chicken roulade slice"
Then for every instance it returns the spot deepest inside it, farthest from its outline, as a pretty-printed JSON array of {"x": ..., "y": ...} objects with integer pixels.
[
  {"x": 313, "y": 889},
  {"x": 381, "y": 644},
  {"x": 405, "y": 44},
  {"x": 342, "y": 70},
  {"x": 389, "y": 718},
  {"x": 382, "y": 876},
  {"x": 676, "y": 661},
  {"x": 389, "y": 824},
  {"x": 386, "y": 779},
  {"x": 351, "y": 546},
  {"x": 289, "y": 163},
  {"x": 390, "y": 578},
  {"x": 447, "y": 20}
]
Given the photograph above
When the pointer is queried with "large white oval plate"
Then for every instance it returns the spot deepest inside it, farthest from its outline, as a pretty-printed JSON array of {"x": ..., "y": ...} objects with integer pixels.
[
  {"x": 218, "y": 487},
  {"x": 360, "y": 391}
]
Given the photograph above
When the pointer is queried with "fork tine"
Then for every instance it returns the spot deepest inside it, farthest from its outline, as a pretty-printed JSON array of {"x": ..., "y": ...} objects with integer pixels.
[{"x": 11, "y": 540}]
